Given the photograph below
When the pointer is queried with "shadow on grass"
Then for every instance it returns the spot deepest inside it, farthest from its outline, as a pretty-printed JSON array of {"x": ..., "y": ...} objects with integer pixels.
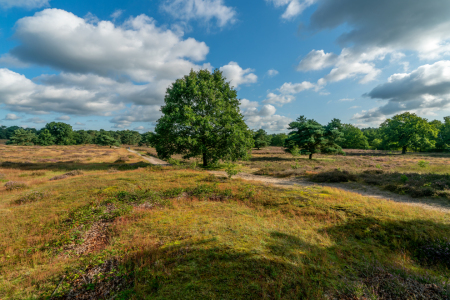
[{"x": 73, "y": 166}]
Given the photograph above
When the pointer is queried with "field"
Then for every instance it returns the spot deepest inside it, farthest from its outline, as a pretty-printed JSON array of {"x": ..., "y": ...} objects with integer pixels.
[{"x": 91, "y": 222}]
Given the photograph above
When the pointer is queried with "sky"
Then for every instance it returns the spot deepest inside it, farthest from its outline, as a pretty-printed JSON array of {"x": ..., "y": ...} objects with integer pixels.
[{"x": 107, "y": 63}]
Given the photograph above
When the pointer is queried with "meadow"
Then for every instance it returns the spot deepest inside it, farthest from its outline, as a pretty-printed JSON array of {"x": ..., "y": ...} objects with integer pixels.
[{"x": 92, "y": 222}]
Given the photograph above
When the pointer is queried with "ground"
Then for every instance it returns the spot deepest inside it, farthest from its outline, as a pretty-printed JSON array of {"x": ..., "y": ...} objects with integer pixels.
[{"x": 91, "y": 222}]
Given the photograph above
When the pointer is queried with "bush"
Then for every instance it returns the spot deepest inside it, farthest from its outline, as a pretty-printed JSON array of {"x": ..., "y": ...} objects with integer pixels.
[
  {"x": 435, "y": 252},
  {"x": 334, "y": 176},
  {"x": 30, "y": 197},
  {"x": 15, "y": 185},
  {"x": 68, "y": 174},
  {"x": 122, "y": 160},
  {"x": 232, "y": 169},
  {"x": 423, "y": 164}
]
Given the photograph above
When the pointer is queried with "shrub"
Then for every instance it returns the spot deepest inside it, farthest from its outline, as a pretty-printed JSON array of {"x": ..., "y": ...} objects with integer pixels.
[
  {"x": 334, "y": 176},
  {"x": 404, "y": 178},
  {"x": 38, "y": 173},
  {"x": 15, "y": 185},
  {"x": 30, "y": 197},
  {"x": 121, "y": 160},
  {"x": 423, "y": 164},
  {"x": 435, "y": 252},
  {"x": 232, "y": 169},
  {"x": 58, "y": 177},
  {"x": 68, "y": 174}
]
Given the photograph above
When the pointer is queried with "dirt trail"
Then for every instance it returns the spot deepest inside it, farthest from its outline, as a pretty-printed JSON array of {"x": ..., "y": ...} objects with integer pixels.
[
  {"x": 151, "y": 159},
  {"x": 364, "y": 190}
]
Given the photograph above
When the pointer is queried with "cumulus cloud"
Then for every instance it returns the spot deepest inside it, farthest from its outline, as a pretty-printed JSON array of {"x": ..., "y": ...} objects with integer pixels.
[
  {"x": 424, "y": 90},
  {"x": 421, "y": 26},
  {"x": 272, "y": 73},
  {"x": 286, "y": 92},
  {"x": 117, "y": 14},
  {"x": 137, "y": 49},
  {"x": 293, "y": 7},
  {"x": 11, "y": 117},
  {"x": 79, "y": 124},
  {"x": 264, "y": 117},
  {"x": 350, "y": 63},
  {"x": 279, "y": 99},
  {"x": 63, "y": 118},
  {"x": 236, "y": 75},
  {"x": 294, "y": 88},
  {"x": 137, "y": 114},
  {"x": 28, "y": 4},
  {"x": 35, "y": 120},
  {"x": 139, "y": 128},
  {"x": 346, "y": 99},
  {"x": 204, "y": 10}
]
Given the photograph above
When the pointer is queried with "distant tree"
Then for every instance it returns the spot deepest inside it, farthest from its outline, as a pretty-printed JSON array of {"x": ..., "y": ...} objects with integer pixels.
[
  {"x": 129, "y": 137},
  {"x": 311, "y": 137},
  {"x": 278, "y": 139},
  {"x": 82, "y": 137},
  {"x": 353, "y": 138},
  {"x": 146, "y": 139},
  {"x": 104, "y": 139},
  {"x": 408, "y": 130},
  {"x": 62, "y": 133},
  {"x": 201, "y": 116},
  {"x": 261, "y": 139},
  {"x": 45, "y": 138},
  {"x": 23, "y": 137}
]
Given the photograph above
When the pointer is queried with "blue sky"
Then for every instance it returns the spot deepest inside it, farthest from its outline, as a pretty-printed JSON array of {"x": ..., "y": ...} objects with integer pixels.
[{"x": 106, "y": 64}]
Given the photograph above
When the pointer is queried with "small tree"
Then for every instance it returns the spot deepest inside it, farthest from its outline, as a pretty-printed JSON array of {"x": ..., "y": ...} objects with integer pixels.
[
  {"x": 261, "y": 139},
  {"x": 353, "y": 138},
  {"x": 278, "y": 139},
  {"x": 201, "y": 116},
  {"x": 23, "y": 137},
  {"x": 129, "y": 137},
  {"x": 45, "y": 138},
  {"x": 408, "y": 130},
  {"x": 146, "y": 139},
  {"x": 82, "y": 137},
  {"x": 104, "y": 139},
  {"x": 312, "y": 137},
  {"x": 62, "y": 133}
]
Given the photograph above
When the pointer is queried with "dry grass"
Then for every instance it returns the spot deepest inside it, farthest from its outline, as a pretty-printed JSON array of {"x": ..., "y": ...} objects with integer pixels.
[{"x": 177, "y": 233}]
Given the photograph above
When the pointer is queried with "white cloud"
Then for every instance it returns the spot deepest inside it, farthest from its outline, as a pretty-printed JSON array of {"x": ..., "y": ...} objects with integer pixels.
[
  {"x": 137, "y": 49},
  {"x": 264, "y": 117},
  {"x": 236, "y": 75},
  {"x": 346, "y": 100},
  {"x": 294, "y": 7},
  {"x": 63, "y": 118},
  {"x": 117, "y": 14},
  {"x": 139, "y": 128},
  {"x": 279, "y": 100},
  {"x": 137, "y": 114},
  {"x": 272, "y": 72},
  {"x": 28, "y": 4},
  {"x": 295, "y": 88},
  {"x": 35, "y": 120},
  {"x": 245, "y": 103},
  {"x": 354, "y": 107},
  {"x": 79, "y": 124},
  {"x": 11, "y": 117},
  {"x": 424, "y": 90},
  {"x": 204, "y": 10},
  {"x": 317, "y": 60}
]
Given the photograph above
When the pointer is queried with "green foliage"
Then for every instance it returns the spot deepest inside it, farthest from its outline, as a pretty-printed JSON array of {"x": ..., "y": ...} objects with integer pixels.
[
  {"x": 232, "y": 170},
  {"x": 353, "y": 138},
  {"x": 61, "y": 132},
  {"x": 104, "y": 139},
  {"x": 404, "y": 178},
  {"x": 312, "y": 137},
  {"x": 83, "y": 137},
  {"x": 129, "y": 137},
  {"x": 23, "y": 137},
  {"x": 146, "y": 139},
  {"x": 423, "y": 163},
  {"x": 45, "y": 138},
  {"x": 278, "y": 139},
  {"x": 201, "y": 116},
  {"x": 261, "y": 139},
  {"x": 408, "y": 130}
]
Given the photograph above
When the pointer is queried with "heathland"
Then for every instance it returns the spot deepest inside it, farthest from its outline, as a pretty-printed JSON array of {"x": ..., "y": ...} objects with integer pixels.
[{"x": 93, "y": 222}]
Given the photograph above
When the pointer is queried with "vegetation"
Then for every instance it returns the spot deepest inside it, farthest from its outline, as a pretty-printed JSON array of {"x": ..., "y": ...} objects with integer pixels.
[
  {"x": 201, "y": 117},
  {"x": 312, "y": 137},
  {"x": 157, "y": 233},
  {"x": 261, "y": 139}
]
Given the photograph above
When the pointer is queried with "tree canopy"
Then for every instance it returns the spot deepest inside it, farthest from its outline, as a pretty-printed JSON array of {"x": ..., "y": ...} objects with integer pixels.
[
  {"x": 23, "y": 137},
  {"x": 61, "y": 132},
  {"x": 201, "y": 117},
  {"x": 261, "y": 139},
  {"x": 311, "y": 137},
  {"x": 408, "y": 130},
  {"x": 353, "y": 138}
]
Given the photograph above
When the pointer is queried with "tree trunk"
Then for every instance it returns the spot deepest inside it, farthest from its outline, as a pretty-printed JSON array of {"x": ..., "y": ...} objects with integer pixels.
[
  {"x": 404, "y": 150},
  {"x": 310, "y": 156},
  {"x": 205, "y": 160}
]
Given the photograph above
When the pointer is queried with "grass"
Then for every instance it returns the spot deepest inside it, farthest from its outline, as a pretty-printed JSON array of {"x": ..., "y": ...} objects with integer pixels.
[{"x": 179, "y": 233}]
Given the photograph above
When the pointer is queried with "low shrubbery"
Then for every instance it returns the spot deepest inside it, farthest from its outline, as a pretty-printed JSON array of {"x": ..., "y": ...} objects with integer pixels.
[
  {"x": 15, "y": 185},
  {"x": 68, "y": 174},
  {"x": 31, "y": 197}
]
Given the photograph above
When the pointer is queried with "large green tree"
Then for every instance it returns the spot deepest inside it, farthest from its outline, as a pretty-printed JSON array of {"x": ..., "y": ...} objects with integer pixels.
[
  {"x": 353, "y": 138},
  {"x": 408, "y": 130},
  {"x": 311, "y": 137},
  {"x": 62, "y": 133},
  {"x": 146, "y": 139},
  {"x": 23, "y": 137},
  {"x": 201, "y": 117},
  {"x": 45, "y": 138},
  {"x": 261, "y": 139},
  {"x": 103, "y": 138},
  {"x": 129, "y": 137}
]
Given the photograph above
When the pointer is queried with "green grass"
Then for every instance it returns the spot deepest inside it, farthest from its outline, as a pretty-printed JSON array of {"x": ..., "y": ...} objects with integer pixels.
[{"x": 209, "y": 238}]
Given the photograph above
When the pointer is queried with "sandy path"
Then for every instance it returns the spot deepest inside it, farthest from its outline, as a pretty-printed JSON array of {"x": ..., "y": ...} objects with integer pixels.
[
  {"x": 151, "y": 159},
  {"x": 361, "y": 189}
]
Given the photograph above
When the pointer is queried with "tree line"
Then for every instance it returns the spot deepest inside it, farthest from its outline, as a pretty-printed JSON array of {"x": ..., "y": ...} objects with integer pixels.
[
  {"x": 59, "y": 133},
  {"x": 201, "y": 117}
]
